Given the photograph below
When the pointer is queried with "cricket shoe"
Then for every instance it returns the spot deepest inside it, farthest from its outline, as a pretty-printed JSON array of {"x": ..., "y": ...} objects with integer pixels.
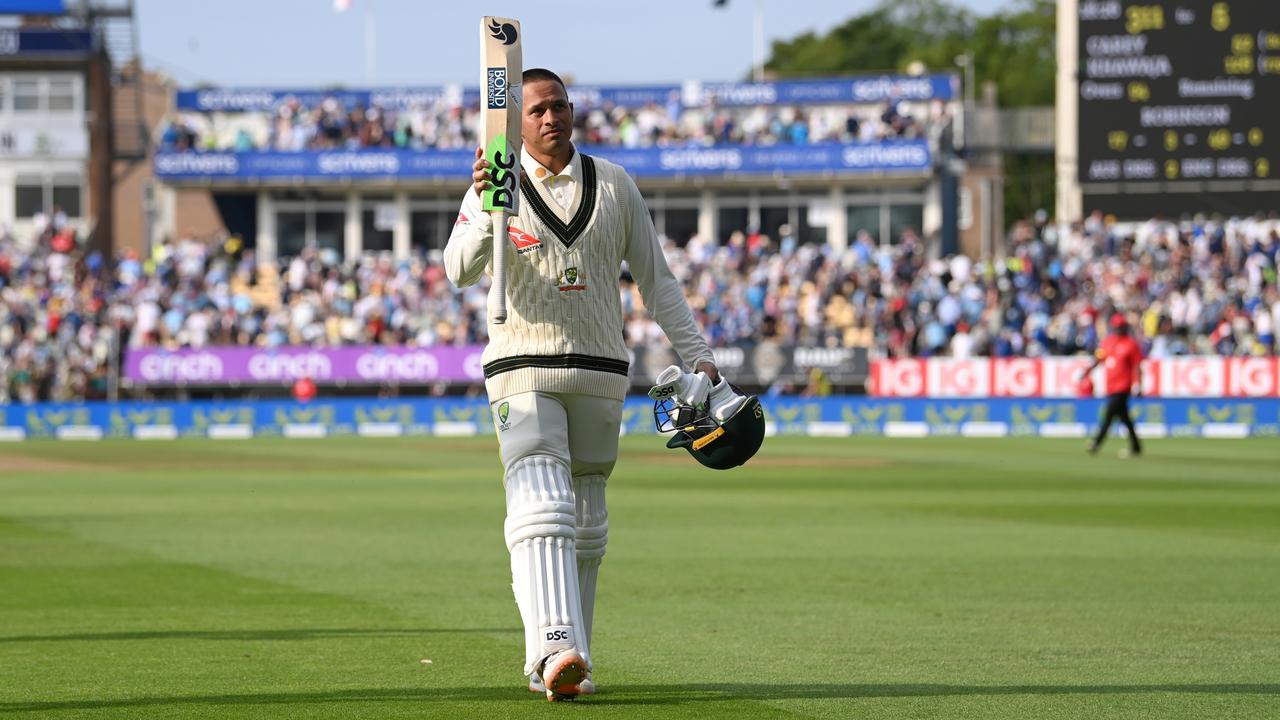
[
  {"x": 586, "y": 687},
  {"x": 563, "y": 675}
]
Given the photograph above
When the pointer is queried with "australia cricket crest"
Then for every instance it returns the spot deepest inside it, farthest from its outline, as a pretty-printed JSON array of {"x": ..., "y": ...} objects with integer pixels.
[{"x": 571, "y": 280}]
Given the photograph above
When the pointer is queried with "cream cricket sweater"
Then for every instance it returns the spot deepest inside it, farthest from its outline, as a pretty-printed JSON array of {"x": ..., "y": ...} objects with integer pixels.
[{"x": 564, "y": 316}]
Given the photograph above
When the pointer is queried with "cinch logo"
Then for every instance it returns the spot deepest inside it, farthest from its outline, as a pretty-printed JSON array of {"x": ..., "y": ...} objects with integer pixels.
[
  {"x": 524, "y": 242},
  {"x": 506, "y": 32},
  {"x": 497, "y": 88},
  {"x": 502, "y": 196},
  {"x": 416, "y": 365},
  {"x": 195, "y": 367},
  {"x": 270, "y": 366}
]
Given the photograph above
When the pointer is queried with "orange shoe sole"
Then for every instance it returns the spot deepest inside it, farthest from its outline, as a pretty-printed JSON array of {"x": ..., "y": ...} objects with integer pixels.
[{"x": 563, "y": 676}]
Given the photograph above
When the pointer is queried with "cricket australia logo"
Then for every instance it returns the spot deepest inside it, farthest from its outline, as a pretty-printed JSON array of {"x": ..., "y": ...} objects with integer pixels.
[
  {"x": 504, "y": 412},
  {"x": 570, "y": 280}
]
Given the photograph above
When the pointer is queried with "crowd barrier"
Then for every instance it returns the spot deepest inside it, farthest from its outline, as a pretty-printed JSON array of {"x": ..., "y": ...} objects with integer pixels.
[
  {"x": 831, "y": 416},
  {"x": 1057, "y": 377}
]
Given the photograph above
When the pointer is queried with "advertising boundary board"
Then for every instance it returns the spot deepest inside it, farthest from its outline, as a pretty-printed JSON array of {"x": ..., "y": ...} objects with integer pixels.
[
  {"x": 840, "y": 416},
  {"x": 379, "y": 365},
  {"x": 887, "y": 157},
  {"x": 1057, "y": 377}
]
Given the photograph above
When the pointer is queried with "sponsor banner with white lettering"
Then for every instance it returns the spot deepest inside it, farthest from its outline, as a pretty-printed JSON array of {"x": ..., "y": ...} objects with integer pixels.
[
  {"x": 864, "y": 89},
  {"x": 259, "y": 366},
  {"x": 1059, "y": 377},
  {"x": 887, "y": 157}
]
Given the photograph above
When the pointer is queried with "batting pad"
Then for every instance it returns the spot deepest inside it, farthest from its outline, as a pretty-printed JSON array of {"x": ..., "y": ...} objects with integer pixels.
[
  {"x": 593, "y": 536},
  {"x": 541, "y": 535}
]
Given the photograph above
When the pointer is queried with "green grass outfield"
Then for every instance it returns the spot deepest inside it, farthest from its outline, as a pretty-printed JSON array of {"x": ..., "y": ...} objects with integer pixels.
[{"x": 850, "y": 578}]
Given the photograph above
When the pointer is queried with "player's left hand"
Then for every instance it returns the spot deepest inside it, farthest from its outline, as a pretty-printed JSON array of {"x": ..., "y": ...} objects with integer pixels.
[
  {"x": 691, "y": 388},
  {"x": 708, "y": 367}
]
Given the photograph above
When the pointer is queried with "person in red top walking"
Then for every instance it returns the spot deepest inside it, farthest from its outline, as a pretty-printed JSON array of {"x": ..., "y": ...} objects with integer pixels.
[{"x": 1121, "y": 358}]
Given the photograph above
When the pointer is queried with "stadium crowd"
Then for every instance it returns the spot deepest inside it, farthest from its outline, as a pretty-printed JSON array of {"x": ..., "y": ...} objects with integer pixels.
[
  {"x": 1206, "y": 286},
  {"x": 1203, "y": 286},
  {"x": 449, "y": 125}
]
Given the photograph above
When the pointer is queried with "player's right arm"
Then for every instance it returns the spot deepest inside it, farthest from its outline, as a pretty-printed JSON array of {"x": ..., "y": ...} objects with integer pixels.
[
  {"x": 471, "y": 242},
  {"x": 1098, "y": 356},
  {"x": 661, "y": 292}
]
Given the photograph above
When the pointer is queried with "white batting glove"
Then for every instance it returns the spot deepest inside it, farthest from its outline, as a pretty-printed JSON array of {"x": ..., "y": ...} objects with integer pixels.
[
  {"x": 691, "y": 388},
  {"x": 724, "y": 401}
]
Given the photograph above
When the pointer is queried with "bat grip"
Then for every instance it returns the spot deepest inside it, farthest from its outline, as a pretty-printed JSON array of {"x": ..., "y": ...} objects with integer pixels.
[{"x": 498, "y": 291}]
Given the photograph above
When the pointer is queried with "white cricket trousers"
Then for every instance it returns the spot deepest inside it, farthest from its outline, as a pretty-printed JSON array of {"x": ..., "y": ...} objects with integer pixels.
[{"x": 557, "y": 452}]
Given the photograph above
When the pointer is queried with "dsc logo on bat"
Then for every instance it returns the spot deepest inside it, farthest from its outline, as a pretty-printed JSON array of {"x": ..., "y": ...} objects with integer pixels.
[{"x": 502, "y": 196}]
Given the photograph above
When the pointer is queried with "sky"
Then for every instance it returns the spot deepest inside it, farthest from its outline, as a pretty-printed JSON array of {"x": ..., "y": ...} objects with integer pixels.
[{"x": 277, "y": 43}]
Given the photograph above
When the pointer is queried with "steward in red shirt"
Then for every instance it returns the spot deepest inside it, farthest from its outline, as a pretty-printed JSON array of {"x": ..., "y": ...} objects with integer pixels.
[{"x": 1121, "y": 359}]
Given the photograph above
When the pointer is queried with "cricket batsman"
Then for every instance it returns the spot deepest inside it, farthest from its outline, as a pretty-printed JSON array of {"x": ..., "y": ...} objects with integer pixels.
[{"x": 556, "y": 371}]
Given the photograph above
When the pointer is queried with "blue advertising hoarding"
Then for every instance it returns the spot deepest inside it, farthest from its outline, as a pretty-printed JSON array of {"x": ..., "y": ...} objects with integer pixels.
[
  {"x": 860, "y": 90},
  {"x": 42, "y": 42},
  {"x": 903, "y": 156},
  {"x": 833, "y": 416},
  {"x": 32, "y": 7}
]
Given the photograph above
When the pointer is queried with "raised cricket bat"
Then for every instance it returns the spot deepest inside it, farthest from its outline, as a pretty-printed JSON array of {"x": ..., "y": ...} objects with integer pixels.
[{"x": 500, "y": 100}]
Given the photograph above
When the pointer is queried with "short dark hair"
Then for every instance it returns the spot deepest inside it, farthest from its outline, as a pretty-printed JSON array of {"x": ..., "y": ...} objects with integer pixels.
[{"x": 543, "y": 74}]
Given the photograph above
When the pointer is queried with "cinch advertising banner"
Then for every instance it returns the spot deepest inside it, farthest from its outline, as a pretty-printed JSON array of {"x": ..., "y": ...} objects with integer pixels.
[
  {"x": 373, "y": 364},
  {"x": 840, "y": 416},
  {"x": 751, "y": 364}
]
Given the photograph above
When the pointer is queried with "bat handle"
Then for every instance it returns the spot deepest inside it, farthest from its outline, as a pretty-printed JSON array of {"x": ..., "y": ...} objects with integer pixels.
[{"x": 498, "y": 292}]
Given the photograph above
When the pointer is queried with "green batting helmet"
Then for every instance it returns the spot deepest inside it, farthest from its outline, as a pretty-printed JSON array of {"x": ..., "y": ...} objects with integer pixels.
[{"x": 718, "y": 445}]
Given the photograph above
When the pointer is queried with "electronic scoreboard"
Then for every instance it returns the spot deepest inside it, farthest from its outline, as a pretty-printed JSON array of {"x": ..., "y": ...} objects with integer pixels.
[{"x": 1179, "y": 106}]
